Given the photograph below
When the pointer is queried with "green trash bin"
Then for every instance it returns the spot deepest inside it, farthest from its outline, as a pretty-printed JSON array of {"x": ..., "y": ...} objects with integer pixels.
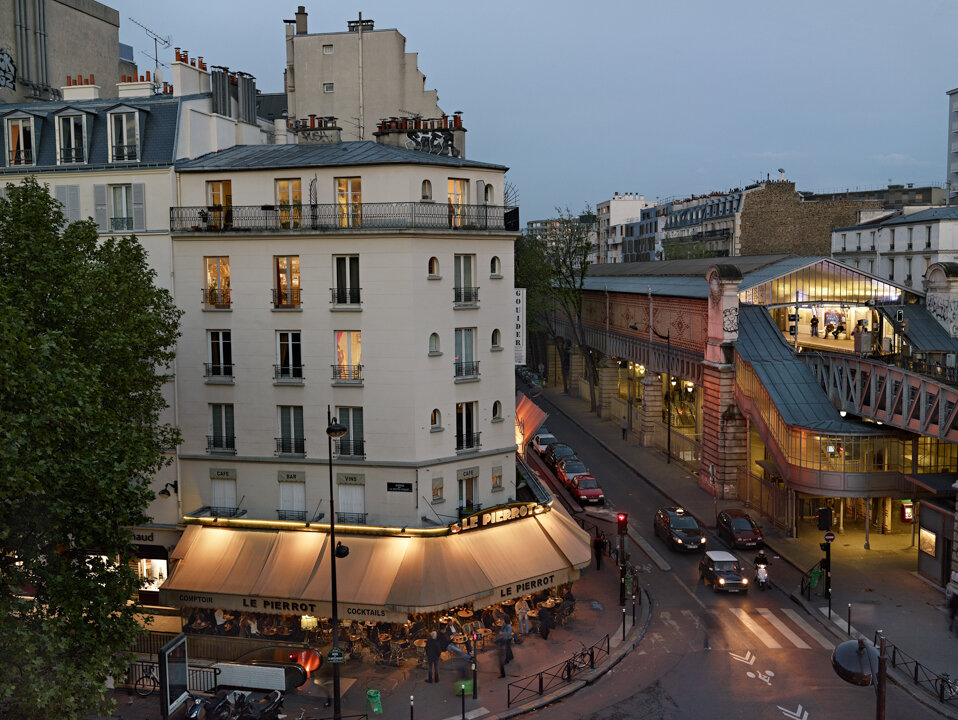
[
  {"x": 815, "y": 576},
  {"x": 463, "y": 687},
  {"x": 374, "y": 702}
]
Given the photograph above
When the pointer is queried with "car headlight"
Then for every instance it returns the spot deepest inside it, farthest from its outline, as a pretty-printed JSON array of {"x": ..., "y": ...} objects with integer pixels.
[
  {"x": 703, "y": 539},
  {"x": 721, "y": 581},
  {"x": 678, "y": 540},
  {"x": 744, "y": 581}
]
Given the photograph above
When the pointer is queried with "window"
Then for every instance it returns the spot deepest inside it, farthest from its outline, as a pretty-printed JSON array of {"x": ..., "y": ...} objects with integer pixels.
[
  {"x": 927, "y": 237},
  {"x": 467, "y": 490},
  {"x": 220, "y": 198},
  {"x": 20, "y": 141},
  {"x": 908, "y": 270},
  {"x": 496, "y": 339},
  {"x": 220, "y": 354},
  {"x": 910, "y": 233},
  {"x": 221, "y": 437},
  {"x": 223, "y": 494},
  {"x": 123, "y": 137},
  {"x": 497, "y": 478},
  {"x": 843, "y": 242},
  {"x": 426, "y": 190},
  {"x": 872, "y": 239},
  {"x": 216, "y": 294},
  {"x": 351, "y": 501},
  {"x": 437, "y": 490},
  {"x": 858, "y": 241},
  {"x": 328, "y": 87},
  {"x": 291, "y": 440},
  {"x": 346, "y": 291},
  {"x": 466, "y": 364},
  {"x": 435, "y": 420},
  {"x": 495, "y": 267},
  {"x": 70, "y": 139},
  {"x": 488, "y": 194},
  {"x": 465, "y": 290},
  {"x": 433, "y": 267},
  {"x": 120, "y": 208},
  {"x": 434, "y": 344},
  {"x": 327, "y": 49},
  {"x": 891, "y": 269},
  {"x": 289, "y": 197},
  {"x": 891, "y": 242},
  {"x": 497, "y": 410},
  {"x": 292, "y": 501},
  {"x": 289, "y": 355},
  {"x": 286, "y": 286},
  {"x": 352, "y": 443},
  {"x": 466, "y": 422},
  {"x": 349, "y": 360},
  {"x": 458, "y": 197},
  {"x": 349, "y": 200}
]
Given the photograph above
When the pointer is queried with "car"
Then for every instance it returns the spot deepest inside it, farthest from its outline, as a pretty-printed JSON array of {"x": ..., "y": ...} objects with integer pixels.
[
  {"x": 556, "y": 452},
  {"x": 585, "y": 489},
  {"x": 722, "y": 571},
  {"x": 679, "y": 529},
  {"x": 543, "y": 440},
  {"x": 569, "y": 468},
  {"x": 738, "y": 529}
]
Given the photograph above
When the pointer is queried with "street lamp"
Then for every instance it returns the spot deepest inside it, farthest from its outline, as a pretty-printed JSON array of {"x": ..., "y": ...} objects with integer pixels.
[
  {"x": 334, "y": 431},
  {"x": 861, "y": 664},
  {"x": 668, "y": 387}
]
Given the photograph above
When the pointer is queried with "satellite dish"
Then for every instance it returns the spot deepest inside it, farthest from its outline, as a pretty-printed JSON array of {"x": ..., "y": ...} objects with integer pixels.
[{"x": 157, "y": 76}]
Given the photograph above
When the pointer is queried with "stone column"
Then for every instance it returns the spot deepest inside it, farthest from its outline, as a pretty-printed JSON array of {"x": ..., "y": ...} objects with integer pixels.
[
  {"x": 651, "y": 408},
  {"x": 607, "y": 388},
  {"x": 576, "y": 371},
  {"x": 555, "y": 367}
]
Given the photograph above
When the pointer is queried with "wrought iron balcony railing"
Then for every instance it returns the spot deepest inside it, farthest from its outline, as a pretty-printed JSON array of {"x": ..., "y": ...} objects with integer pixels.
[
  {"x": 124, "y": 152},
  {"x": 467, "y": 369},
  {"x": 351, "y": 448},
  {"x": 348, "y": 373},
  {"x": 331, "y": 218},
  {"x": 291, "y": 515},
  {"x": 465, "y": 295},
  {"x": 288, "y": 372},
  {"x": 221, "y": 444},
  {"x": 71, "y": 155},
  {"x": 216, "y": 298},
  {"x": 465, "y": 442},
  {"x": 351, "y": 518},
  {"x": 121, "y": 224},
  {"x": 213, "y": 370},
  {"x": 224, "y": 511},
  {"x": 345, "y": 296},
  {"x": 286, "y": 298},
  {"x": 21, "y": 157},
  {"x": 290, "y": 446},
  {"x": 468, "y": 509}
]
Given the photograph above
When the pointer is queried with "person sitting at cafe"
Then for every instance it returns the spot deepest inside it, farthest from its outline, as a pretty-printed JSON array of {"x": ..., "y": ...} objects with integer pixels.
[
  {"x": 540, "y": 596},
  {"x": 500, "y": 615},
  {"x": 222, "y": 621},
  {"x": 487, "y": 619}
]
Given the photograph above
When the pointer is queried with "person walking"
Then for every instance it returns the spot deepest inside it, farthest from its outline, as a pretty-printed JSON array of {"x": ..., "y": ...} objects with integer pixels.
[
  {"x": 522, "y": 612},
  {"x": 504, "y": 647},
  {"x": 625, "y": 427},
  {"x": 433, "y": 652},
  {"x": 546, "y": 622},
  {"x": 599, "y": 544},
  {"x": 814, "y": 324}
]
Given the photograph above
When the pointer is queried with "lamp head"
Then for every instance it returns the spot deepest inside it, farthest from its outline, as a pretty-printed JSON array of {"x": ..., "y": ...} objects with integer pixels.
[
  {"x": 336, "y": 430},
  {"x": 165, "y": 492}
]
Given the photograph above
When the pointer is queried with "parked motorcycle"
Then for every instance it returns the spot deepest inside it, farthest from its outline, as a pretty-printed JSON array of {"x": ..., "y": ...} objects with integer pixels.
[{"x": 267, "y": 708}]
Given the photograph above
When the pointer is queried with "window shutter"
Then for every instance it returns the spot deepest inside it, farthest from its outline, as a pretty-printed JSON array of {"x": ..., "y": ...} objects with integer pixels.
[
  {"x": 69, "y": 197},
  {"x": 99, "y": 207},
  {"x": 139, "y": 212}
]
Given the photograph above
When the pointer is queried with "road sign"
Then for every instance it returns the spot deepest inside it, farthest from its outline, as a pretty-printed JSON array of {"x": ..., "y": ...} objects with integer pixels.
[
  {"x": 335, "y": 656},
  {"x": 829, "y": 536}
]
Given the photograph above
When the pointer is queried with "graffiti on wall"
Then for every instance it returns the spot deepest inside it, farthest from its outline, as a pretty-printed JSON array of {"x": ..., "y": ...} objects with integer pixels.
[
  {"x": 8, "y": 70},
  {"x": 434, "y": 142},
  {"x": 945, "y": 311}
]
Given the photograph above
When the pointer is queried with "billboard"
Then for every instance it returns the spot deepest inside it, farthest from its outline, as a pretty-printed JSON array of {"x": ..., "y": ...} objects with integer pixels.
[{"x": 519, "y": 336}]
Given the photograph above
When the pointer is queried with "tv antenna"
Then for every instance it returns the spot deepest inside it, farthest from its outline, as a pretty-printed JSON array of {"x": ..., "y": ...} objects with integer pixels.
[{"x": 158, "y": 40}]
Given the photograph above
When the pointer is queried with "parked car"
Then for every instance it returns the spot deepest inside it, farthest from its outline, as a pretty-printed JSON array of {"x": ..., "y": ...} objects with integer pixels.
[
  {"x": 543, "y": 440},
  {"x": 556, "y": 452},
  {"x": 738, "y": 529},
  {"x": 569, "y": 468},
  {"x": 722, "y": 571},
  {"x": 585, "y": 489},
  {"x": 679, "y": 529}
]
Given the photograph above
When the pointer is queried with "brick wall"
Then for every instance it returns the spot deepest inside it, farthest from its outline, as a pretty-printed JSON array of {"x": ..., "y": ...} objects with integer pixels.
[{"x": 775, "y": 220}]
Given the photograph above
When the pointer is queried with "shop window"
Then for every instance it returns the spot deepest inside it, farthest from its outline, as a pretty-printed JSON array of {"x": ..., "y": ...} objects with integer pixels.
[
  {"x": 152, "y": 573},
  {"x": 437, "y": 490}
]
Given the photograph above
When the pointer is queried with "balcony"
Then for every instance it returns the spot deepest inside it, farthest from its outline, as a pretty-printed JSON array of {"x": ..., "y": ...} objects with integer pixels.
[
  {"x": 290, "y": 446},
  {"x": 348, "y": 374},
  {"x": 467, "y": 370},
  {"x": 466, "y": 510},
  {"x": 71, "y": 155},
  {"x": 467, "y": 442},
  {"x": 218, "y": 373},
  {"x": 345, "y": 296},
  {"x": 123, "y": 153},
  {"x": 286, "y": 299},
  {"x": 291, "y": 515},
  {"x": 288, "y": 374},
  {"x": 351, "y": 448},
  {"x": 465, "y": 296},
  {"x": 21, "y": 157},
  {"x": 331, "y": 218},
  {"x": 221, "y": 444},
  {"x": 121, "y": 224},
  {"x": 351, "y": 518},
  {"x": 219, "y": 299}
]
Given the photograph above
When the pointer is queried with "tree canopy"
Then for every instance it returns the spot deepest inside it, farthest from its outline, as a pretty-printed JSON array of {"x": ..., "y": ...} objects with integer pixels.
[{"x": 85, "y": 341}]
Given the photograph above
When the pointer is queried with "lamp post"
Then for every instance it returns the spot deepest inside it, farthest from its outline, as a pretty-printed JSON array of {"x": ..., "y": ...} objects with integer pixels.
[
  {"x": 668, "y": 388},
  {"x": 861, "y": 664},
  {"x": 334, "y": 431}
]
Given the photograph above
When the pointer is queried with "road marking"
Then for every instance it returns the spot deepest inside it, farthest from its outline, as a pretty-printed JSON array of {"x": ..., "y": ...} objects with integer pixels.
[
  {"x": 666, "y": 617},
  {"x": 743, "y": 617},
  {"x": 809, "y": 630},
  {"x": 794, "y": 714},
  {"x": 693, "y": 618},
  {"x": 471, "y": 715},
  {"x": 841, "y": 623},
  {"x": 748, "y": 659},
  {"x": 782, "y": 628}
]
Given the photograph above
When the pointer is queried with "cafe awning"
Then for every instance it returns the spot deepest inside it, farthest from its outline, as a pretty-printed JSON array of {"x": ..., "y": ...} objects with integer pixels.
[{"x": 383, "y": 577}]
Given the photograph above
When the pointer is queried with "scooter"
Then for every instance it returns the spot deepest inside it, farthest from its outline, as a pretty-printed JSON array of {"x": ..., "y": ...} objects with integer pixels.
[
  {"x": 267, "y": 708},
  {"x": 761, "y": 577}
]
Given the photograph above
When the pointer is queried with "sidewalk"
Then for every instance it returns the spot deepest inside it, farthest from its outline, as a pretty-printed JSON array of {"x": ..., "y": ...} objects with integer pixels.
[{"x": 881, "y": 585}]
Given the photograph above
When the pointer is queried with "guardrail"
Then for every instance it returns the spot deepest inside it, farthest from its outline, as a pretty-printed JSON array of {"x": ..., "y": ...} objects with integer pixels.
[
  {"x": 200, "y": 678},
  {"x": 938, "y": 684},
  {"x": 558, "y": 674}
]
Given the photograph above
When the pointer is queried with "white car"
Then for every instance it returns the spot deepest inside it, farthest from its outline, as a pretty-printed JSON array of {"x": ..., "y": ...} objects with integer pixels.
[{"x": 543, "y": 440}]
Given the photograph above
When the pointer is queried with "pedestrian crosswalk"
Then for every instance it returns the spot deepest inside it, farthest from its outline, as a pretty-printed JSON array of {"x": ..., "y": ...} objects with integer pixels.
[{"x": 738, "y": 626}]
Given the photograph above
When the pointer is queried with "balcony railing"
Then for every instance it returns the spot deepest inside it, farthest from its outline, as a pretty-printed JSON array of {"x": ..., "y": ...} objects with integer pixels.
[
  {"x": 288, "y": 372},
  {"x": 224, "y": 511},
  {"x": 345, "y": 296},
  {"x": 286, "y": 298},
  {"x": 221, "y": 444},
  {"x": 71, "y": 155},
  {"x": 290, "y": 446},
  {"x": 124, "y": 152},
  {"x": 350, "y": 518},
  {"x": 467, "y": 369},
  {"x": 213, "y": 370},
  {"x": 216, "y": 298},
  {"x": 467, "y": 509},
  {"x": 291, "y": 515},
  {"x": 465, "y": 295},
  {"x": 467, "y": 442},
  {"x": 331, "y": 218},
  {"x": 21, "y": 157},
  {"x": 351, "y": 448},
  {"x": 120, "y": 224},
  {"x": 348, "y": 373}
]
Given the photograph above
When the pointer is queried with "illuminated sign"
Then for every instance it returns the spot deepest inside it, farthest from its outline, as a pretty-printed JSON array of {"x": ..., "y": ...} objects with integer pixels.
[{"x": 496, "y": 516}]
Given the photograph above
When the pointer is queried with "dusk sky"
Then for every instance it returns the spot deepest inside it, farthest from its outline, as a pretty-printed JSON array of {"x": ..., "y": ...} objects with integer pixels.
[{"x": 665, "y": 99}]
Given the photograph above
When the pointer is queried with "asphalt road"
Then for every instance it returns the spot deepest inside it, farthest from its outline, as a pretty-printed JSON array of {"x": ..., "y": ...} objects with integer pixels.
[{"x": 752, "y": 656}]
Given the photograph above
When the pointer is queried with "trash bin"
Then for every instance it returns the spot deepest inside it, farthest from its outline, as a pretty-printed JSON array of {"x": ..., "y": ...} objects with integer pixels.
[
  {"x": 373, "y": 702},
  {"x": 463, "y": 687},
  {"x": 816, "y": 575}
]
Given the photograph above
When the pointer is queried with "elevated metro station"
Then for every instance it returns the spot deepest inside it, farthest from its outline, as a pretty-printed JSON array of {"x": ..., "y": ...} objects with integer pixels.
[{"x": 791, "y": 383}]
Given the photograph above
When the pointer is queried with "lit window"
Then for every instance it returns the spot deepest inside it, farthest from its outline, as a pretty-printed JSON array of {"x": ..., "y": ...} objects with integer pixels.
[
  {"x": 435, "y": 419},
  {"x": 286, "y": 290},
  {"x": 20, "y": 141},
  {"x": 216, "y": 293},
  {"x": 348, "y": 355},
  {"x": 458, "y": 198},
  {"x": 289, "y": 197},
  {"x": 497, "y": 477},
  {"x": 437, "y": 489},
  {"x": 349, "y": 200},
  {"x": 434, "y": 267}
]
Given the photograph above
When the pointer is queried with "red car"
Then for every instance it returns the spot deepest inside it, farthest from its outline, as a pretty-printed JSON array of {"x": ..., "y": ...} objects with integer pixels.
[
  {"x": 570, "y": 468},
  {"x": 738, "y": 529},
  {"x": 585, "y": 489}
]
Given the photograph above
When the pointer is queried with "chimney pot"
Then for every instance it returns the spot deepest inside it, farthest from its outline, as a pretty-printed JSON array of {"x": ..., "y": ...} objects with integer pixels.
[
  {"x": 301, "y": 20},
  {"x": 148, "y": 76},
  {"x": 176, "y": 54},
  {"x": 91, "y": 79}
]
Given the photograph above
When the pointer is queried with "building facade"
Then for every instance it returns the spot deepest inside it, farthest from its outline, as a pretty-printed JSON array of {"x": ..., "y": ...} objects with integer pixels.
[{"x": 612, "y": 220}]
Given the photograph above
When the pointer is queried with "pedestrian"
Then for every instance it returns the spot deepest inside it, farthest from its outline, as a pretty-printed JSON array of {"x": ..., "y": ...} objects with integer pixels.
[
  {"x": 504, "y": 647},
  {"x": 952, "y": 610},
  {"x": 433, "y": 651},
  {"x": 546, "y": 622},
  {"x": 522, "y": 612},
  {"x": 814, "y": 324},
  {"x": 625, "y": 427},
  {"x": 599, "y": 545}
]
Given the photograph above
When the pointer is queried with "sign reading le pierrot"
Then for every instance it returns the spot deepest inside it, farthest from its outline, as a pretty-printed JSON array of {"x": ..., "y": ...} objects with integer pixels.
[{"x": 496, "y": 516}]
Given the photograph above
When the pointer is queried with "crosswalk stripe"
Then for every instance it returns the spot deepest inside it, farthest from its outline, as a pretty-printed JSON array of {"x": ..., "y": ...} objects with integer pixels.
[
  {"x": 783, "y": 628},
  {"x": 743, "y": 617},
  {"x": 809, "y": 630}
]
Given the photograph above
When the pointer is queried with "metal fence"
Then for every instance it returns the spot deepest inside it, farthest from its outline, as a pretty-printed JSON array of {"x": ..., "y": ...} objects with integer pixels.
[
  {"x": 560, "y": 673},
  {"x": 199, "y": 678},
  {"x": 938, "y": 684}
]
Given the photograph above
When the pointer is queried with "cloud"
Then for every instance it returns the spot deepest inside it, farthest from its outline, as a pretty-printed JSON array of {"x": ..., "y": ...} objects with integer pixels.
[{"x": 899, "y": 160}]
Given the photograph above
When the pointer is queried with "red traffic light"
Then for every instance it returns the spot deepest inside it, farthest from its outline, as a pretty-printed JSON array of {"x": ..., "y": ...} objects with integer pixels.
[{"x": 622, "y": 520}]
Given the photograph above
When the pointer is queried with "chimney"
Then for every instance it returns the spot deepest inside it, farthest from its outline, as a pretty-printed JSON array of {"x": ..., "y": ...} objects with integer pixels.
[
  {"x": 316, "y": 130},
  {"x": 301, "y": 20},
  {"x": 189, "y": 76},
  {"x": 80, "y": 89},
  {"x": 437, "y": 136}
]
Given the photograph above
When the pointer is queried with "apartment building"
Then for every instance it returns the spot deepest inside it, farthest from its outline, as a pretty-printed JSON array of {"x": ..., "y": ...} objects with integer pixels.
[{"x": 612, "y": 219}]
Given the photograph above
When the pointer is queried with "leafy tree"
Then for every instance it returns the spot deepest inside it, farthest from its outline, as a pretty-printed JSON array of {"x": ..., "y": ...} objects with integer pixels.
[
  {"x": 83, "y": 332},
  {"x": 687, "y": 250}
]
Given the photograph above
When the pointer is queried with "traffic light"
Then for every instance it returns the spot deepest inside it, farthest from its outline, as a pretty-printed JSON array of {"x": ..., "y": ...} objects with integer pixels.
[
  {"x": 622, "y": 519},
  {"x": 824, "y": 517},
  {"x": 826, "y": 562}
]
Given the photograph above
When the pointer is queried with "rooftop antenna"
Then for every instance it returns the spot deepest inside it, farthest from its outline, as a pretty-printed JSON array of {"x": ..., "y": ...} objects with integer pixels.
[
  {"x": 410, "y": 113},
  {"x": 158, "y": 40}
]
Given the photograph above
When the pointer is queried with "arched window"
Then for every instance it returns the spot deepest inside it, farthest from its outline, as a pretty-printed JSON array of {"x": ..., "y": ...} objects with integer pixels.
[
  {"x": 434, "y": 266},
  {"x": 495, "y": 266},
  {"x": 434, "y": 343},
  {"x": 426, "y": 190},
  {"x": 435, "y": 419},
  {"x": 496, "y": 338},
  {"x": 497, "y": 410},
  {"x": 488, "y": 195}
]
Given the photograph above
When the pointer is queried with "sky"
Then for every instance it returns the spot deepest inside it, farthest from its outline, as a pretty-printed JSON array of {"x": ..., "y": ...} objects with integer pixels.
[{"x": 668, "y": 99}]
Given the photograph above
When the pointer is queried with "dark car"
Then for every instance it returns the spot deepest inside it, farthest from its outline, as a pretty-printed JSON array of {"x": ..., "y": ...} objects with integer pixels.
[
  {"x": 738, "y": 529},
  {"x": 585, "y": 489},
  {"x": 679, "y": 529},
  {"x": 722, "y": 571},
  {"x": 556, "y": 452},
  {"x": 570, "y": 468}
]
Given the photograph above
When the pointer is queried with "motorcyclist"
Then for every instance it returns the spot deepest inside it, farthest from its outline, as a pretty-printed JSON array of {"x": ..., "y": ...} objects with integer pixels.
[{"x": 761, "y": 558}]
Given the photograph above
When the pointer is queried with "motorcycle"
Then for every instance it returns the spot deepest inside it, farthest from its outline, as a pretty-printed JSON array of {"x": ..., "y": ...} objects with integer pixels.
[
  {"x": 761, "y": 577},
  {"x": 267, "y": 708}
]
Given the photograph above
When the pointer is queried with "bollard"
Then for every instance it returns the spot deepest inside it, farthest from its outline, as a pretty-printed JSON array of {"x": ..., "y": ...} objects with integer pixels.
[
  {"x": 411, "y": 709},
  {"x": 633, "y": 609},
  {"x": 475, "y": 679},
  {"x": 849, "y": 619},
  {"x": 623, "y": 624}
]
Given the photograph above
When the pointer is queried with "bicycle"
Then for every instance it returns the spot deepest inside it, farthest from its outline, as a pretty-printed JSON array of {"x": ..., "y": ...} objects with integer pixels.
[{"x": 147, "y": 684}]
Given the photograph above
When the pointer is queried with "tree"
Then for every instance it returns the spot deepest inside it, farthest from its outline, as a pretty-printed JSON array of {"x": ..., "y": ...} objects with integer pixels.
[{"x": 85, "y": 340}]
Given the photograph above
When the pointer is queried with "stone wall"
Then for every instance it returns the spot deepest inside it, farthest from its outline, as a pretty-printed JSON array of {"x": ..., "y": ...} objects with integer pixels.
[{"x": 776, "y": 220}]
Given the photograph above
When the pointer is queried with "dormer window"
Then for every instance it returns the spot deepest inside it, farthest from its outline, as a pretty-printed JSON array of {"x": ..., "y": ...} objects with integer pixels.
[
  {"x": 20, "y": 144},
  {"x": 70, "y": 139},
  {"x": 124, "y": 138}
]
